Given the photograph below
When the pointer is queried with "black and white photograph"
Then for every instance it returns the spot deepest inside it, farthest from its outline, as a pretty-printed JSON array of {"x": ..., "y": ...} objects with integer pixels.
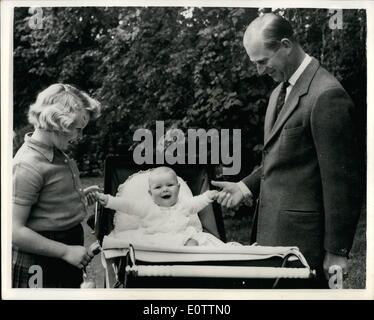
[{"x": 193, "y": 146}]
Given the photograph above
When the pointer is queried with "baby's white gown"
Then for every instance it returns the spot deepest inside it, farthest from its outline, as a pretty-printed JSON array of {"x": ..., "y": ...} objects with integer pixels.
[{"x": 163, "y": 226}]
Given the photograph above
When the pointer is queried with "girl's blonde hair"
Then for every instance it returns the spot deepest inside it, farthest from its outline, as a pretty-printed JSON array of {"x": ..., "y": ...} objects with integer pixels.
[{"x": 57, "y": 107}]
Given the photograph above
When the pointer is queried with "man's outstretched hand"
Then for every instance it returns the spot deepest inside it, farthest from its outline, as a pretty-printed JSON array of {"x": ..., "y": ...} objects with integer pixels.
[{"x": 230, "y": 196}]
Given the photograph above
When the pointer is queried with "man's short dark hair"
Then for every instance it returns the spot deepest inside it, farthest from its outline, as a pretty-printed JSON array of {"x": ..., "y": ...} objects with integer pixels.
[{"x": 276, "y": 30}]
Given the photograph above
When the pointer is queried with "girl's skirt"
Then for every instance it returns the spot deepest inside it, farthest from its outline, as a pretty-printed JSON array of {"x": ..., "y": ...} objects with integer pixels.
[{"x": 34, "y": 271}]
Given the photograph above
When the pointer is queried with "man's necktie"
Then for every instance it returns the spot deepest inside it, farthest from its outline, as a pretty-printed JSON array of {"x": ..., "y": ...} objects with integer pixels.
[{"x": 281, "y": 98}]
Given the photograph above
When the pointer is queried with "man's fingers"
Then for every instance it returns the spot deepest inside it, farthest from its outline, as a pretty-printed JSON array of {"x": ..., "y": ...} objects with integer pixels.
[
  {"x": 221, "y": 196},
  {"x": 229, "y": 203},
  {"x": 219, "y": 184},
  {"x": 224, "y": 201}
]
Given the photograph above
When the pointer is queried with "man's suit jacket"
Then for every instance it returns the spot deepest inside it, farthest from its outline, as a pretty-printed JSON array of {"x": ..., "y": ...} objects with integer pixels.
[{"x": 308, "y": 185}]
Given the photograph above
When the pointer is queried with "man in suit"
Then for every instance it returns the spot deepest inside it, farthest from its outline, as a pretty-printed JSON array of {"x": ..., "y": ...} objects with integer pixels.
[{"x": 308, "y": 185}]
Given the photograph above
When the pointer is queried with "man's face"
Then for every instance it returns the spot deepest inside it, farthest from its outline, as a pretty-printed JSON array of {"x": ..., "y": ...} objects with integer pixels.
[
  {"x": 267, "y": 61},
  {"x": 164, "y": 189}
]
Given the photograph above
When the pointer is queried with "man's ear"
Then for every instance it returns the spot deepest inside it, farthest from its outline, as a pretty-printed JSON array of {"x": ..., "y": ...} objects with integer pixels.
[{"x": 286, "y": 43}]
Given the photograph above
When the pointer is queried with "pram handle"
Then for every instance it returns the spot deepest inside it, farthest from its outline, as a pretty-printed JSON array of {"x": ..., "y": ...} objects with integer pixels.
[
  {"x": 94, "y": 248},
  {"x": 220, "y": 272},
  {"x": 89, "y": 281}
]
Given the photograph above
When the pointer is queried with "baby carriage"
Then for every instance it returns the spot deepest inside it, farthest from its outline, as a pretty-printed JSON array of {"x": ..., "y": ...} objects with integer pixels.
[{"x": 145, "y": 266}]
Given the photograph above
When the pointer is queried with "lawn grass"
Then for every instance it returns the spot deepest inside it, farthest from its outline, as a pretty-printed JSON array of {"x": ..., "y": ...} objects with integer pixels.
[
  {"x": 357, "y": 263},
  {"x": 238, "y": 229}
]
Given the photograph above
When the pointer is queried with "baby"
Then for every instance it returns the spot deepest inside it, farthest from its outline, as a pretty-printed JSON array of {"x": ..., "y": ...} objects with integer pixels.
[{"x": 171, "y": 220}]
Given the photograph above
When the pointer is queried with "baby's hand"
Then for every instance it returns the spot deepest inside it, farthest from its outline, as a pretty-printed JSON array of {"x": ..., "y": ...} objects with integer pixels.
[
  {"x": 102, "y": 198},
  {"x": 212, "y": 194}
]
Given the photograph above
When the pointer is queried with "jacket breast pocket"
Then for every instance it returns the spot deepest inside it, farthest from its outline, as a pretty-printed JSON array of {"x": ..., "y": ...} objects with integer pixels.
[
  {"x": 295, "y": 143},
  {"x": 289, "y": 132}
]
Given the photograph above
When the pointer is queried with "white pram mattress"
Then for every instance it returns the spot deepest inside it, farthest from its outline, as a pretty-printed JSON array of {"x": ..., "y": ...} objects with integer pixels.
[{"x": 113, "y": 247}]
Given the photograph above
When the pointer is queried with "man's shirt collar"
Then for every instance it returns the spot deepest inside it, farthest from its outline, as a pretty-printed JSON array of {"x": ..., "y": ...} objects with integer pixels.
[{"x": 296, "y": 75}]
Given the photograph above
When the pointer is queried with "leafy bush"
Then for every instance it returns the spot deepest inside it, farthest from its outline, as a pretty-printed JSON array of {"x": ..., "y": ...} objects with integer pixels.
[{"x": 185, "y": 66}]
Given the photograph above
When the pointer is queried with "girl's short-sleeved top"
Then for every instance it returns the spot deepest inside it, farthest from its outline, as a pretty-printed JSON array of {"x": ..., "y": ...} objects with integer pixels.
[{"x": 45, "y": 179}]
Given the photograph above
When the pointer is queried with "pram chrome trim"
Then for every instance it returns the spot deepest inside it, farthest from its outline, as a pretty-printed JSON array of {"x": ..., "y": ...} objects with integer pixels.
[{"x": 219, "y": 272}]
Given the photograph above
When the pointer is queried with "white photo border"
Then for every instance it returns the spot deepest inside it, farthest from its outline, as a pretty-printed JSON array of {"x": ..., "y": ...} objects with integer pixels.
[{"x": 7, "y": 9}]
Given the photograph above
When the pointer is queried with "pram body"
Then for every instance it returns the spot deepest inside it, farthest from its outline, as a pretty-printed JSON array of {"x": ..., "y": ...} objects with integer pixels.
[{"x": 193, "y": 267}]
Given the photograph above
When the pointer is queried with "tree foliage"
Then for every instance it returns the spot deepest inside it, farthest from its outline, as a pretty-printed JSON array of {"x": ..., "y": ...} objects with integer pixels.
[{"x": 185, "y": 66}]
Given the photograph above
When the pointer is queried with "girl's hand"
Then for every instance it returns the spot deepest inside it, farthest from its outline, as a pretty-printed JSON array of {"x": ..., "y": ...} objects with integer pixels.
[
  {"x": 77, "y": 256},
  {"x": 102, "y": 198},
  {"x": 90, "y": 194}
]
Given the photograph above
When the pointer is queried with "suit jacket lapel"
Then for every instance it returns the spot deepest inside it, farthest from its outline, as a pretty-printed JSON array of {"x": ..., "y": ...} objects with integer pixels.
[{"x": 300, "y": 88}]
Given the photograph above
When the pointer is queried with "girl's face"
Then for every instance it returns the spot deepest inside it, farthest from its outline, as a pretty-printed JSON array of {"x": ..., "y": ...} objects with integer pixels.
[{"x": 61, "y": 140}]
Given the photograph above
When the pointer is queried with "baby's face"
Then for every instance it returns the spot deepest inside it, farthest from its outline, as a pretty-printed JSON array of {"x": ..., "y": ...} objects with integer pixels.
[{"x": 164, "y": 189}]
